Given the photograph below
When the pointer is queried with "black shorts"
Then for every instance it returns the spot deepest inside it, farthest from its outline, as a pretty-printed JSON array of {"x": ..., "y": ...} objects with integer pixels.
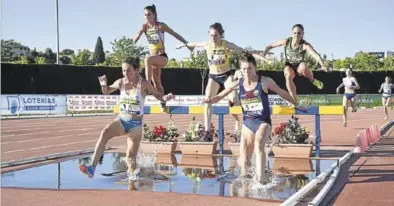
[
  {"x": 294, "y": 66},
  {"x": 164, "y": 55},
  {"x": 221, "y": 78}
]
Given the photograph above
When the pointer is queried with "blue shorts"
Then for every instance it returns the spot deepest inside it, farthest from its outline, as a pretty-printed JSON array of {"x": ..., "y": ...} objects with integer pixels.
[
  {"x": 349, "y": 96},
  {"x": 254, "y": 124},
  {"x": 129, "y": 124}
]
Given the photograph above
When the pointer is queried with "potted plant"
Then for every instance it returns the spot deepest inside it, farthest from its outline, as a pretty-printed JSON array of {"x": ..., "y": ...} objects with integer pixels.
[
  {"x": 194, "y": 140},
  {"x": 160, "y": 140},
  {"x": 291, "y": 140}
]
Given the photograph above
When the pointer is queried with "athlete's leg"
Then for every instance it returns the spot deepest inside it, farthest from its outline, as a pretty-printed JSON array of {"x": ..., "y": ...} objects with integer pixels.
[
  {"x": 387, "y": 105},
  {"x": 345, "y": 104},
  {"x": 246, "y": 149},
  {"x": 150, "y": 62},
  {"x": 289, "y": 76},
  {"x": 261, "y": 138},
  {"x": 211, "y": 90},
  {"x": 111, "y": 130},
  {"x": 306, "y": 72},
  {"x": 353, "y": 104},
  {"x": 233, "y": 98},
  {"x": 133, "y": 144}
]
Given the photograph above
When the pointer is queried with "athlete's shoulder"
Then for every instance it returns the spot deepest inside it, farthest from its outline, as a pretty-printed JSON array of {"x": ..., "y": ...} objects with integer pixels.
[{"x": 304, "y": 42}]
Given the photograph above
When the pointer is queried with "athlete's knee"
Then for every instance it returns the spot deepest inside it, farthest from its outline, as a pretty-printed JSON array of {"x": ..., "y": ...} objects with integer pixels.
[{"x": 289, "y": 73}]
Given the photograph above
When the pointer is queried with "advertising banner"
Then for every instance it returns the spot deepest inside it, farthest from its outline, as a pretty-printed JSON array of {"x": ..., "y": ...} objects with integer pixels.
[{"x": 20, "y": 104}]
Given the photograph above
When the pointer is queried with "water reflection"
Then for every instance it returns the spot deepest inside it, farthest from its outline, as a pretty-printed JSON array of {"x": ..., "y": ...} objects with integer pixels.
[{"x": 206, "y": 175}]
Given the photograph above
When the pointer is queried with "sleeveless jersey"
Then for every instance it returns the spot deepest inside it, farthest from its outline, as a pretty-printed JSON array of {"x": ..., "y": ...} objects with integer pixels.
[
  {"x": 254, "y": 103},
  {"x": 349, "y": 81},
  {"x": 387, "y": 89},
  {"x": 294, "y": 55},
  {"x": 218, "y": 57},
  {"x": 132, "y": 103},
  {"x": 155, "y": 37}
]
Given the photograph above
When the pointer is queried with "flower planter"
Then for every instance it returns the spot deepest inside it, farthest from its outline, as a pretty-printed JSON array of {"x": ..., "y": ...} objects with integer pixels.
[
  {"x": 234, "y": 147},
  {"x": 198, "y": 148},
  {"x": 158, "y": 147},
  {"x": 292, "y": 150},
  {"x": 165, "y": 163},
  {"x": 289, "y": 166},
  {"x": 199, "y": 161}
]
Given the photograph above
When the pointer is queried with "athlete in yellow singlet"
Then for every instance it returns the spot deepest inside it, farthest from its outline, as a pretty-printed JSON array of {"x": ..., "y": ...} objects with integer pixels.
[
  {"x": 133, "y": 89},
  {"x": 295, "y": 49},
  {"x": 218, "y": 53},
  {"x": 157, "y": 59}
]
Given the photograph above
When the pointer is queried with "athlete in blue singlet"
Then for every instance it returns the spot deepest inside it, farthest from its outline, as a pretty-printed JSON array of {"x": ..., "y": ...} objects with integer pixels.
[
  {"x": 350, "y": 83},
  {"x": 253, "y": 95},
  {"x": 387, "y": 88},
  {"x": 133, "y": 90}
]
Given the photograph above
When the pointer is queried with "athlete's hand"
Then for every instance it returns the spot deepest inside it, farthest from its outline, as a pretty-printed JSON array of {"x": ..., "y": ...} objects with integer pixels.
[
  {"x": 168, "y": 97},
  {"x": 103, "y": 80},
  {"x": 324, "y": 68},
  {"x": 180, "y": 46},
  {"x": 212, "y": 100},
  {"x": 190, "y": 48}
]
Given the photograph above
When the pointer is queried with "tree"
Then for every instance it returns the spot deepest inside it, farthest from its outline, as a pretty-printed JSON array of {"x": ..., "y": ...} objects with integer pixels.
[
  {"x": 99, "y": 55},
  {"x": 125, "y": 47},
  {"x": 6, "y": 50},
  {"x": 67, "y": 52},
  {"x": 50, "y": 56},
  {"x": 198, "y": 59},
  {"x": 173, "y": 64},
  {"x": 65, "y": 60},
  {"x": 41, "y": 60},
  {"x": 82, "y": 58}
]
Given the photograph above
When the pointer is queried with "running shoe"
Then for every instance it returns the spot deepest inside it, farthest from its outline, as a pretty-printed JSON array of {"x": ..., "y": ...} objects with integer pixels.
[
  {"x": 318, "y": 84},
  {"x": 87, "y": 169}
]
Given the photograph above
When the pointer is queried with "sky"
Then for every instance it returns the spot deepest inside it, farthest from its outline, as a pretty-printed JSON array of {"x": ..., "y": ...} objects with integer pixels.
[{"x": 338, "y": 27}]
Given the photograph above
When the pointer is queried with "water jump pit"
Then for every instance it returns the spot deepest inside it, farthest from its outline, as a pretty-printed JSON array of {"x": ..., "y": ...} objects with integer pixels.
[{"x": 204, "y": 175}]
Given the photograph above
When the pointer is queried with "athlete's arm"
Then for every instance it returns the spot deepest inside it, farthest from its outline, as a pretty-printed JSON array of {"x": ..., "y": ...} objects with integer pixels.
[
  {"x": 271, "y": 85},
  {"x": 357, "y": 85},
  {"x": 339, "y": 87},
  {"x": 222, "y": 94},
  {"x": 109, "y": 89},
  {"x": 381, "y": 88},
  {"x": 193, "y": 45},
  {"x": 279, "y": 43},
  {"x": 139, "y": 33},
  {"x": 167, "y": 29},
  {"x": 308, "y": 47},
  {"x": 233, "y": 47},
  {"x": 149, "y": 88}
]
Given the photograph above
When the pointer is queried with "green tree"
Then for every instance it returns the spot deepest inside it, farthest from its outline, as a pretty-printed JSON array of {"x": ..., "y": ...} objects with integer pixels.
[
  {"x": 99, "y": 55},
  {"x": 388, "y": 63},
  {"x": 6, "y": 50},
  {"x": 198, "y": 59},
  {"x": 67, "y": 52},
  {"x": 65, "y": 60},
  {"x": 126, "y": 47},
  {"x": 41, "y": 60},
  {"x": 50, "y": 56},
  {"x": 82, "y": 57},
  {"x": 23, "y": 60},
  {"x": 173, "y": 64}
]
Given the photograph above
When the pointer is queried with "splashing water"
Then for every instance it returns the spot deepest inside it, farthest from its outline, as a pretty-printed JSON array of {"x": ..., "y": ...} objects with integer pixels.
[{"x": 145, "y": 166}]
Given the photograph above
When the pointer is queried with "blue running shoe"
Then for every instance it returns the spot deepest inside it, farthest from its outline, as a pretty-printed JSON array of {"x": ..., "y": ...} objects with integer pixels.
[{"x": 87, "y": 169}]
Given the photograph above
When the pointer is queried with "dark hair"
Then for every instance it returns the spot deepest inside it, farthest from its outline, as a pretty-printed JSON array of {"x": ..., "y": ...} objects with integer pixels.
[
  {"x": 152, "y": 8},
  {"x": 218, "y": 27},
  {"x": 299, "y": 26},
  {"x": 247, "y": 57},
  {"x": 132, "y": 61}
]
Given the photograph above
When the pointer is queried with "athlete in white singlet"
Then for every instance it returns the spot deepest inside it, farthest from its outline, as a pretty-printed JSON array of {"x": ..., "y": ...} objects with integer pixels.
[
  {"x": 350, "y": 83},
  {"x": 133, "y": 90},
  {"x": 387, "y": 88}
]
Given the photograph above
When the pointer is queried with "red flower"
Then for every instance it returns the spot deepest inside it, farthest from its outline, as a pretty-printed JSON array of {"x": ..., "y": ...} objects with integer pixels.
[{"x": 282, "y": 125}]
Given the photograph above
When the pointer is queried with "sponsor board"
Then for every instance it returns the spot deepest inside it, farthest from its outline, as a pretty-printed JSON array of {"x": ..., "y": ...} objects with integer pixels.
[{"x": 20, "y": 104}]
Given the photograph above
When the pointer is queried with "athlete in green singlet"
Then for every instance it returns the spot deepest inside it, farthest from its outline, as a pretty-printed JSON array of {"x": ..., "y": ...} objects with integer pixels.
[{"x": 295, "y": 49}]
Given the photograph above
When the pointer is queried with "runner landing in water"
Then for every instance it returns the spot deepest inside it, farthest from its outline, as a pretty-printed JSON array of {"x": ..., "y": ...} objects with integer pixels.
[
  {"x": 256, "y": 129},
  {"x": 157, "y": 59},
  {"x": 133, "y": 89},
  {"x": 295, "y": 48}
]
